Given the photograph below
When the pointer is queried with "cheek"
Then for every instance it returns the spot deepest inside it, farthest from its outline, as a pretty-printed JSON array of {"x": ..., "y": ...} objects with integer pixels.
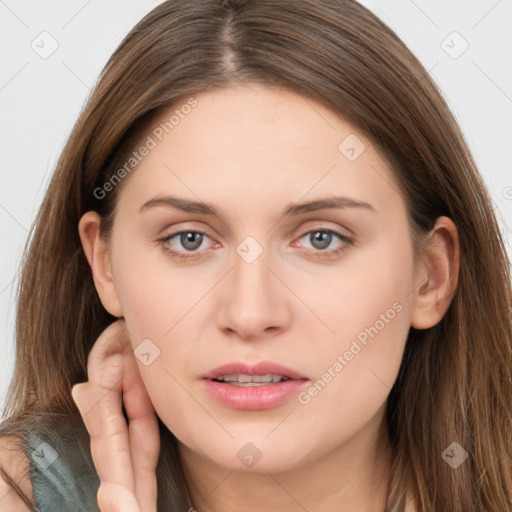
[
  {"x": 155, "y": 295},
  {"x": 354, "y": 369},
  {"x": 365, "y": 313},
  {"x": 162, "y": 306},
  {"x": 365, "y": 290},
  {"x": 352, "y": 384}
]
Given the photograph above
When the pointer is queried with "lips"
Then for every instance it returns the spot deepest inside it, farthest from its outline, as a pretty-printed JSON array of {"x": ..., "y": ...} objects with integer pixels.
[
  {"x": 250, "y": 395},
  {"x": 262, "y": 368}
]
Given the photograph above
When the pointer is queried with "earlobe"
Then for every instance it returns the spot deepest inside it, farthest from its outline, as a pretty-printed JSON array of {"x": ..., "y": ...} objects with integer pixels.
[
  {"x": 99, "y": 259},
  {"x": 437, "y": 275}
]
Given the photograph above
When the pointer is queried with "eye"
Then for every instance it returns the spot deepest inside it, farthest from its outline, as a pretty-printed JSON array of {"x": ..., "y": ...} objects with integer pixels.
[
  {"x": 190, "y": 241},
  {"x": 320, "y": 239}
]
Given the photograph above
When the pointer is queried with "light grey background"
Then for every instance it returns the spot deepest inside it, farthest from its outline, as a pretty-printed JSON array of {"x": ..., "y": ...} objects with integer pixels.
[{"x": 41, "y": 96}]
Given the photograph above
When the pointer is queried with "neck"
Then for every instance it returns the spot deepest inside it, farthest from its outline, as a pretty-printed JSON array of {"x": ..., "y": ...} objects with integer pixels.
[{"x": 353, "y": 477}]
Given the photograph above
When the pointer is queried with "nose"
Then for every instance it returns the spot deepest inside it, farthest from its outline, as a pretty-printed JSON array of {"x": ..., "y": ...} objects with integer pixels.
[{"x": 253, "y": 303}]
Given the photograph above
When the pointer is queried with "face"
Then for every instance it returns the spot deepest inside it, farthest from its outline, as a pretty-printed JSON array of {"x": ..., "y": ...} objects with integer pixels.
[{"x": 326, "y": 293}]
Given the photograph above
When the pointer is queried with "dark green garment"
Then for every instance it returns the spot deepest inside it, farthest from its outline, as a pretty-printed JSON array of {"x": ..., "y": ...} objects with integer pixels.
[{"x": 62, "y": 473}]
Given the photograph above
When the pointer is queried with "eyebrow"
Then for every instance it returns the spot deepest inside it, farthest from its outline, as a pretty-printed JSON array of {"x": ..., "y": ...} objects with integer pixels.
[{"x": 200, "y": 207}]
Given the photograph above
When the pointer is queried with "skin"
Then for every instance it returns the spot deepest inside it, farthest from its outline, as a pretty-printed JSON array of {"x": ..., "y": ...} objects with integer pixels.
[{"x": 251, "y": 151}]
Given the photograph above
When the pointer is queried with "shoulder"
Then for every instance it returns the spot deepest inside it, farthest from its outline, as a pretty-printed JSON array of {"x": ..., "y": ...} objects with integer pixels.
[
  {"x": 48, "y": 465},
  {"x": 17, "y": 466}
]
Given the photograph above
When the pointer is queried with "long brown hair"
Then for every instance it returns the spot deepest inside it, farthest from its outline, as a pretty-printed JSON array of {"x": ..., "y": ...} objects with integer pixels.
[{"x": 455, "y": 381}]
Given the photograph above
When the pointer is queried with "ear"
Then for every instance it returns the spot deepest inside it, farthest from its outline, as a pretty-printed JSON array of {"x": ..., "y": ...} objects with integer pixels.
[
  {"x": 99, "y": 259},
  {"x": 437, "y": 275}
]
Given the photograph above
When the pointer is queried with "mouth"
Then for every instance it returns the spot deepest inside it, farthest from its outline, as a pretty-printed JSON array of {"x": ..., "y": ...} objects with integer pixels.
[
  {"x": 251, "y": 380},
  {"x": 261, "y": 386}
]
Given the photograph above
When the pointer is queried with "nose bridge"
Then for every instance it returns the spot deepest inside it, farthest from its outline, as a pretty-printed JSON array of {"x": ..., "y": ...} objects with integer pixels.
[
  {"x": 253, "y": 303},
  {"x": 251, "y": 283}
]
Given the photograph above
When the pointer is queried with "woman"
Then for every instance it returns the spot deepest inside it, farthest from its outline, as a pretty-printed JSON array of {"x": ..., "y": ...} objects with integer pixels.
[{"x": 338, "y": 335}]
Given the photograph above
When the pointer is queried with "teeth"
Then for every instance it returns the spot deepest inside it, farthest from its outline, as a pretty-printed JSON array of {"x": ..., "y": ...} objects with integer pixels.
[
  {"x": 251, "y": 380},
  {"x": 264, "y": 378},
  {"x": 228, "y": 378}
]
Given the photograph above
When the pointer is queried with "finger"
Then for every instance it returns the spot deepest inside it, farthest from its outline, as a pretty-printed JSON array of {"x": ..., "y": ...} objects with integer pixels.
[
  {"x": 110, "y": 361},
  {"x": 110, "y": 449},
  {"x": 144, "y": 438},
  {"x": 106, "y": 361},
  {"x": 99, "y": 401},
  {"x": 114, "y": 498}
]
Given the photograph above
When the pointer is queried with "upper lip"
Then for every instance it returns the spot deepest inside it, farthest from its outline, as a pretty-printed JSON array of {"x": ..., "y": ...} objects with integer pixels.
[{"x": 262, "y": 368}]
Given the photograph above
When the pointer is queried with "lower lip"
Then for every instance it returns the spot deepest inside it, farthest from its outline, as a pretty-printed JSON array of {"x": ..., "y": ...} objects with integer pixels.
[{"x": 254, "y": 397}]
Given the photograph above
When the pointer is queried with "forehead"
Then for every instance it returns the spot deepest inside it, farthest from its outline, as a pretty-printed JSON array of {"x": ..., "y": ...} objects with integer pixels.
[{"x": 243, "y": 143}]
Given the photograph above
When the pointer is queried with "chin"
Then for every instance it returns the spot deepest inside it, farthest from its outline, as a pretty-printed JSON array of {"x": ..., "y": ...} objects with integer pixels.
[{"x": 259, "y": 453}]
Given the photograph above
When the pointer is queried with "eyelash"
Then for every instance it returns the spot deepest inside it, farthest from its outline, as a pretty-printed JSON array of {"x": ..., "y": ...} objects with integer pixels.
[{"x": 322, "y": 253}]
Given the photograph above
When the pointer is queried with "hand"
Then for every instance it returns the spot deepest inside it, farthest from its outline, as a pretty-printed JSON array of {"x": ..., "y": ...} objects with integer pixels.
[{"x": 125, "y": 456}]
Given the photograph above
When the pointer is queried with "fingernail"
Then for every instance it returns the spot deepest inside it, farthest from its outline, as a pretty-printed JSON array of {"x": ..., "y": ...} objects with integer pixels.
[{"x": 76, "y": 394}]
